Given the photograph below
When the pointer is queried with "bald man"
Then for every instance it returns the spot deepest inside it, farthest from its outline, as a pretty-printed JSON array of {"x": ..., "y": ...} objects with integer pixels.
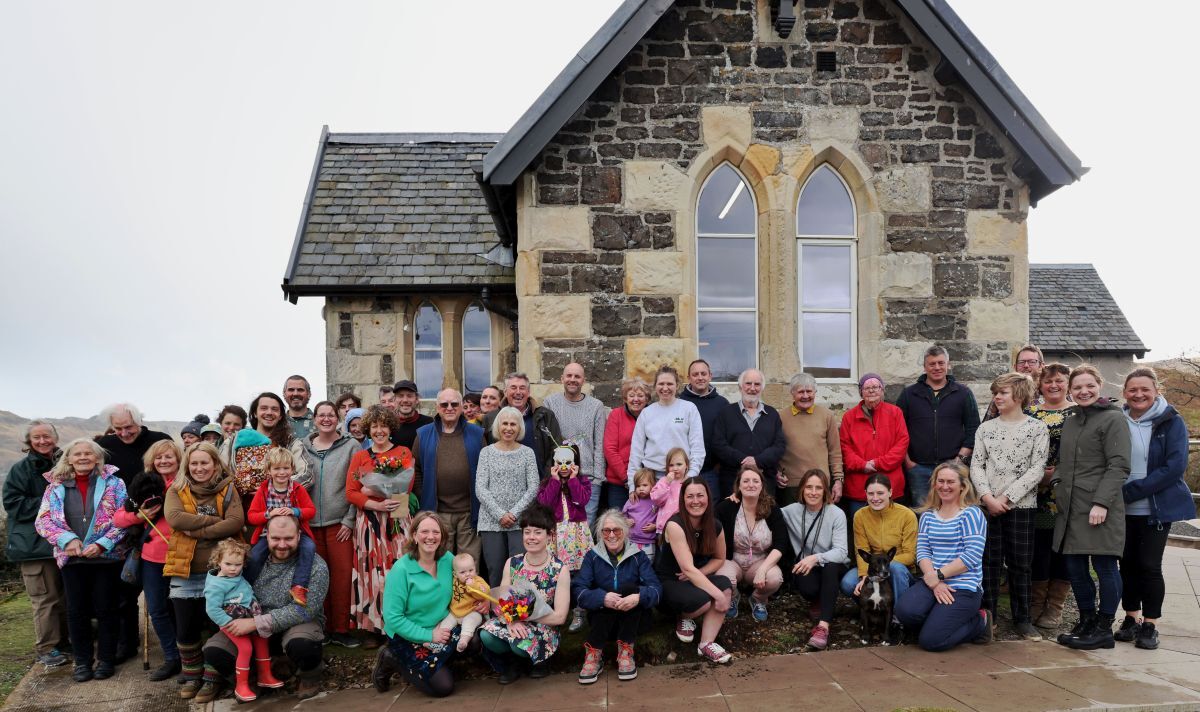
[
  {"x": 748, "y": 432},
  {"x": 582, "y": 419},
  {"x": 445, "y": 458}
]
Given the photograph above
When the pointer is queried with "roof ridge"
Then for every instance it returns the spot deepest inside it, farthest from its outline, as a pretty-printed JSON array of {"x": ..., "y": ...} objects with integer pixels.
[
  {"x": 414, "y": 137},
  {"x": 1062, "y": 265}
]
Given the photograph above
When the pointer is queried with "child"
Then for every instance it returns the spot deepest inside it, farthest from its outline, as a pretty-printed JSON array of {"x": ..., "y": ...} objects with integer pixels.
[
  {"x": 281, "y": 496},
  {"x": 467, "y": 590},
  {"x": 228, "y": 596},
  {"x": 1008, "y": 463},
  {"x": 665, "y": 494},
  {"x": 641, "y": 512},
  {"x": 566, "y": 494}
]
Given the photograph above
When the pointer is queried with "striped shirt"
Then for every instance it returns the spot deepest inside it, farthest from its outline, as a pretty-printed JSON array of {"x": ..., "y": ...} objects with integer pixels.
[{"x": 962, "y": 537}]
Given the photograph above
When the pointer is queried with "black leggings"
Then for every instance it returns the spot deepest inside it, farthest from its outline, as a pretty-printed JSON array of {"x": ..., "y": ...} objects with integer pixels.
[
  {"x": 190, "y": 619},
  {"x": 440, "y": 684},
  {"x": 1143, "y": 588},
  {"x": 1048, "y": 564},
  {"x": 821, "y": 584}
]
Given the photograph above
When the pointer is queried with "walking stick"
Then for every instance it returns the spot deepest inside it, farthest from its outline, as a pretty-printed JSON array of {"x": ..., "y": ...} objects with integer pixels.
[{"x": 145, "y": 637}]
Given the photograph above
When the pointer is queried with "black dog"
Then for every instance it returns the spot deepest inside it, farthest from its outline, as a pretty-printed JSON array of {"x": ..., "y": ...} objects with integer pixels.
[
  {"x": 146, "y": 490},
  {"x": 876, "y": 598}
]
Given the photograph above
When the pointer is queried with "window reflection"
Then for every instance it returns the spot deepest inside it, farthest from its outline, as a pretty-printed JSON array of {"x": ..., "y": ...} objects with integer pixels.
[
  {"x": 727, "y": 342},
  {"x": 427, "y": 351},
  {"x": 725, "y": 206},
  {"x": 827, "y": 345},
  {"x": 825, "y": 207},
  {"x": 826, "y": 276},
  {"x": 477, "y": 349},
  {"x": 726, "y": 272}
]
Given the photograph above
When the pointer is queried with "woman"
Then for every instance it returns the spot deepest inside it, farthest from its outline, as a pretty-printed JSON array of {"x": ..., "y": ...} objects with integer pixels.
[
  {"x": 874, "y": 439},
  {"x": 231, "y": 419},
  {"x": 352, "y": 425},
  {"x": 328, "y": 454},
  {"x": 756, "y": 540},
  {"x": 378, "y": 537},
  {"x": 161, "y": 465},
  {"x": 1049, "y": 581},
  {"x": 663, "y": 426},
  {"x": 879, "y": 527},
  {"x": 618, "y": 588},
  {"x": 1093, "y": 463},
  {"x": 1155, "y": 496},
  {"x": 505, "y": 644},
  {"x": 693, "y": 551},
  {"x": 506, "y": 482},
  {"x": 202, "y": 508},
  {"x": 817, "y": 530},
  {"x": 76, "y": 518},
  {"x": 345, "y": 403},
  {"x": 618, "y": 435},
  {"x": 23, "y": 491},
  {"x": 246, "y": 453},
  {"x": 418, "y": 594},
  {"x": 946, "y": 603}
]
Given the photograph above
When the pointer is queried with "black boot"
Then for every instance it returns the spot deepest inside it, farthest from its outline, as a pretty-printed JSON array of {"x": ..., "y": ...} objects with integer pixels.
[
  {"x": 386, "y": 665},
  {"x": 1085, "y": 618},
  {"x": 166, "y": 671},
  {"x": 1098, "y": 635},
  {"x": 1128, "y": 630},
  {"x": 1147, "y": 637}
]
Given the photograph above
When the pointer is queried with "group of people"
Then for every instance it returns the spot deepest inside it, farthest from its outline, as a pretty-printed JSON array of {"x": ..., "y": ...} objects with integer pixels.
[{"x": 389, "y": 528}]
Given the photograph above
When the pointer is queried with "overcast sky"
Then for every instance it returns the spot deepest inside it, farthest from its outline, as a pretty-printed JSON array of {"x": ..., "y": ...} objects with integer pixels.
[{"x": 155, "y": 158}]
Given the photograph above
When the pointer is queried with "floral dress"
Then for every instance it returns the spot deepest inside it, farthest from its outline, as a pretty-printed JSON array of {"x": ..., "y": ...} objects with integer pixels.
[
  {"x": 378, "y": 542},
  {"x": 572, "y": 540},
  {"x": 542, "y": 640},
  {"x": 1043, "y": 518}
]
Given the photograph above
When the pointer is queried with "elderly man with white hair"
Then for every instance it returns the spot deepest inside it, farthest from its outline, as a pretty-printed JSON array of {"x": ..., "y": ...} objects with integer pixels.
[
  {"x": 747, "y": 433},
  {"x": 811, "y": 433}
]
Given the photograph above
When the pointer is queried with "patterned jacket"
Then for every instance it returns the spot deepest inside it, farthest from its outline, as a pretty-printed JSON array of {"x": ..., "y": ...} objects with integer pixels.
[{"x": 107, "y": 495}]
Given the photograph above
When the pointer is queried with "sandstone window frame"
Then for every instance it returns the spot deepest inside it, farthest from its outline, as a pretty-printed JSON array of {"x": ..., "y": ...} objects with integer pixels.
[
  {"x": 849, "y": 240},
  {"x": 473, "y": 309},
  {"x": 418, "y": 376},
  {"x": 752, "y": 236}
]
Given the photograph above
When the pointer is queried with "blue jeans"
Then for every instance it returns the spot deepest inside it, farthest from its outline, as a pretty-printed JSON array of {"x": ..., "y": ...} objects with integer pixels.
[
  {"x": 713, "y": 478},
  {"x": 943, "y": 626},
  {"x": 615, "y": 496},
  {"x": 902, "y": 579},
  {"x": 593, "y": 503},
  {"x": 162, "y": 614},
  {"x": 918, "y": 484},
  {"x": 307, "y": 549},
  {"x": 1085, "y": 590}
]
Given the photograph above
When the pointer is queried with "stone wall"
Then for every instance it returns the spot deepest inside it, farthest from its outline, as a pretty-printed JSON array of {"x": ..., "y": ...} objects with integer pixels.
[
  {"x": 606, "y": 252},
  {"x": 368, "y": 344}
]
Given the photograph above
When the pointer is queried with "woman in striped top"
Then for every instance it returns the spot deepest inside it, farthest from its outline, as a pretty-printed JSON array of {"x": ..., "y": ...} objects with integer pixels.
[{"x": 946, "y": 602}]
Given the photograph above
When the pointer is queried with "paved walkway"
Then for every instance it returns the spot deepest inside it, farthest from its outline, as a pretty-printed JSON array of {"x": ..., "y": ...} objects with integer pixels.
[{"x": 1003, "y": 676}]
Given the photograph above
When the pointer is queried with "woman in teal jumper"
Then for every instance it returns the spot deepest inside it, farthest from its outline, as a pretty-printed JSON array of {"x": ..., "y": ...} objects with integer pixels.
[{"x": 416, "y": 597}]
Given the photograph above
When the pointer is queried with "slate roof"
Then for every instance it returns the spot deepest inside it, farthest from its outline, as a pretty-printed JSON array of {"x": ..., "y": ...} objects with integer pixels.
[
  {"x": 1070, "y": 310},
  {"x": 1050, "y": 165},
  {"x": 395, "y": 213}
]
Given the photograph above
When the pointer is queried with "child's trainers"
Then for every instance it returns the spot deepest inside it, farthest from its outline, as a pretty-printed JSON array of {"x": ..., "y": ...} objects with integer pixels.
[
  {"x": 714, "y": 653},
  {"x": 626, "y": 666},
  {"x": 576, "y": 621},
  {"x": 685, "y": 630},
  {"x": 758, "y": 609},
  {"x": 593, "y": 665},
  {"x": 733, "y": 606},
  {"x": 299, "y": 595},
  {"x": 819, "y": 640}
]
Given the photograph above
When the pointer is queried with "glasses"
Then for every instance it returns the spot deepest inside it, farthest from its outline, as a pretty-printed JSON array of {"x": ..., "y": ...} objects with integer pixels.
[
  {"x": 449, "y": 406},
  {"x": 1028, "y": 362},
  {"x": 872, "y": 389},
  {"x": 610, "y": 531}
]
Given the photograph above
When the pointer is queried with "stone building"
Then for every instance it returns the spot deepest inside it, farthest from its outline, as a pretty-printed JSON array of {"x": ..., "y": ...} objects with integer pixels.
[{"x": 826, "y": 186}]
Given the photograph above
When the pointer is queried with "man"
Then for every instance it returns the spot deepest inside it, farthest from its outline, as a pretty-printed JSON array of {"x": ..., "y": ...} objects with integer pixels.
[
  {"x": 700, "y": 392},
  {"x": 941, "y": 416},
  {"x": 582, "y": 418},
  {"x": 1029, "y": 361},
  {"x": 748, "y": 432},
  {"x": 126, "y": 447},
  {"x": 295, "y": 630},
  {"x": 542, "y": 433},
  {"x": 387, "y": 397},
  {"x": 489, "y": 400},
  {"x": 296, "y": 393},
  {"x": 810, "y": 432},
  {"x": 410, "y": 419},
  {"x": 445, "y": 459}
]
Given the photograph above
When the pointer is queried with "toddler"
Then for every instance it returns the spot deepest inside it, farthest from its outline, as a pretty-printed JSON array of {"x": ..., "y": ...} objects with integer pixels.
[
  {"x": 228, "y": 596},
  {"x": 468, "y": 589},
  {"x": 566, "y": 493},
  {"x": 665, "y": 494},
  {"x": 641, "y": 512},
  {"x": 281, "y": 496}
]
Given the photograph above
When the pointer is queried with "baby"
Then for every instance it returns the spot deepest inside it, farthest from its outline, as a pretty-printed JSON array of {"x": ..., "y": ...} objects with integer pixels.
[
  {"x": 469, "y": 588},
  {"x": 227, "y": 597}
]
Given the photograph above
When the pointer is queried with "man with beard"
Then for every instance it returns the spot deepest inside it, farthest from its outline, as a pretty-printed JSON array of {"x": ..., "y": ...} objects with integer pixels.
[
  {"x": 297, "y": 392},
  {"x": 542, "y": 433},
  {"x": 748, "y": 432},
  {"x": 407, "y": 398},
  {"x": 582, "y": 418},
  {"x": 700, "y": 392}
]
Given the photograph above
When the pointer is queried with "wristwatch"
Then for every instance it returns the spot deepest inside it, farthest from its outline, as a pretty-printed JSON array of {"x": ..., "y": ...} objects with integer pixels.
[{"x": 941, "y": 576}]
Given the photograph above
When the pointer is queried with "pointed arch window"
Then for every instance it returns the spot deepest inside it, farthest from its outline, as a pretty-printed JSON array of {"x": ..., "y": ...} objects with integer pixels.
[
  {"x": 477, "y": 349},
  {"x": 427, "y": 351},
  {"x": 827, "y": 255},
  {"x": 727, "y": 274}
]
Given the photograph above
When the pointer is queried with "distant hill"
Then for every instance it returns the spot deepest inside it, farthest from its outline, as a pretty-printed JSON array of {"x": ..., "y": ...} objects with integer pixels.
[{"x": 12, "y": 428}]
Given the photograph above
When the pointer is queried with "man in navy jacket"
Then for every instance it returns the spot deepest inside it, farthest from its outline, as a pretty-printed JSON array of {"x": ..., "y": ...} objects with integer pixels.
[{"x": 748, "y": 432}]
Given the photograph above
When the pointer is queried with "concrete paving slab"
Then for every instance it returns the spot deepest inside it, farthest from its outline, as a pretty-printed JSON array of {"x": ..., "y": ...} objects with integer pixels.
[
  {"x": 1032, "y": 656},
  {"x": 1118, "y": 686},
  {"x": 923, "y": 664},
  {"x": 1014, "y": 691},
  {"x": 822, "y": 697},
  {"x": 780, "y": 672},
  {"x": 682, "y": 682}
]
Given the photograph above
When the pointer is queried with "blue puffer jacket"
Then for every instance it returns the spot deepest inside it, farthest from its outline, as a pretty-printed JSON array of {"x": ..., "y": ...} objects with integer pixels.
[
  {"x": 598, "y": 577},
  {"x": 1163, "y": 485}
]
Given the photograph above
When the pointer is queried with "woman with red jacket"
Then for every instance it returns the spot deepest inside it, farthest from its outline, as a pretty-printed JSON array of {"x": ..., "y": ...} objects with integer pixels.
[
  {"x": 874, "y": 439},
  {"x": 618, "y": 434}
]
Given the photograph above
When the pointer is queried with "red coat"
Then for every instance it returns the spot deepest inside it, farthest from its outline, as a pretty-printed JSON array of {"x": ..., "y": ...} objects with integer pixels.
[
  {"x": 258, "y": 510},
  {"x": 883, "y": 439},
  {"x": 618, "y": 434}
]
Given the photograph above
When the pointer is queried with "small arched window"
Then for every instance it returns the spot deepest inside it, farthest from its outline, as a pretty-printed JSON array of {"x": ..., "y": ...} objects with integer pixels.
[
  {"x": 727, "y": 274},
  {"x": 477, "y": 349},
  {"x": 427, "y": 351},
  {"x": 827, "y": 237}
]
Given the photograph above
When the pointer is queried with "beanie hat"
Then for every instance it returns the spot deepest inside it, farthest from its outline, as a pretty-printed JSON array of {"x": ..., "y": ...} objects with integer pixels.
[
  {"x": 868, "y": 376},
  {"x": 196, "y": 425}
]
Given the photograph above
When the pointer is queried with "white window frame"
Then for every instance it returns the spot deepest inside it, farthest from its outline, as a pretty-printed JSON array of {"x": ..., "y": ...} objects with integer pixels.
[
  {"x": 700, "y": 236},
  {"x": 465, "y": 348},
  {"x": 841, "y": 240},
  {"x": 441, "y": 350}
]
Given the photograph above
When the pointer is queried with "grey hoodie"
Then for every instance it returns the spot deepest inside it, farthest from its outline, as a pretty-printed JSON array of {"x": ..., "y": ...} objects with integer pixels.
[
  {"x": 1140, "y": 431},
  {"x": 327, "y": 481}
]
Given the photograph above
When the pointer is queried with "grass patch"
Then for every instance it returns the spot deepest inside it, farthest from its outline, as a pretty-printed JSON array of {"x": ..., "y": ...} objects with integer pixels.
[{"x": 16, "y": 641}]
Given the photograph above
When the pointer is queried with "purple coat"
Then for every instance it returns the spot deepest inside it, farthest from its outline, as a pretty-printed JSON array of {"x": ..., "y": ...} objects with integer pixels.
[{"x": 579, "y": 491}]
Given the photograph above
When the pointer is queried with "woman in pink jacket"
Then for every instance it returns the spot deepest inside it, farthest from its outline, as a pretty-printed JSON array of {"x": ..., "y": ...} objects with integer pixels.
[{"x": 618, "y": 433}]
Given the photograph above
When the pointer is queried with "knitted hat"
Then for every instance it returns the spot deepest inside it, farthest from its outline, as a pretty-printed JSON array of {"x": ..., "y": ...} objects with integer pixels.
[
  {"x": 868, "y": 376},
  {"x": 352, "y": 414},
  {"x": 196, "y": 425}
]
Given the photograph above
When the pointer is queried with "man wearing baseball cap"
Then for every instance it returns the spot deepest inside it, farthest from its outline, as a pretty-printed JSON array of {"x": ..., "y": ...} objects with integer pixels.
[{"x": 407, "y": 400}]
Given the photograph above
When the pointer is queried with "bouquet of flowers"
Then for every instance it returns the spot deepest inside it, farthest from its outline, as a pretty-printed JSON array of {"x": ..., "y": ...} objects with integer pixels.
[
  {"x": 519, "y": 602},
  {"x": 390, "y": 480}
]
